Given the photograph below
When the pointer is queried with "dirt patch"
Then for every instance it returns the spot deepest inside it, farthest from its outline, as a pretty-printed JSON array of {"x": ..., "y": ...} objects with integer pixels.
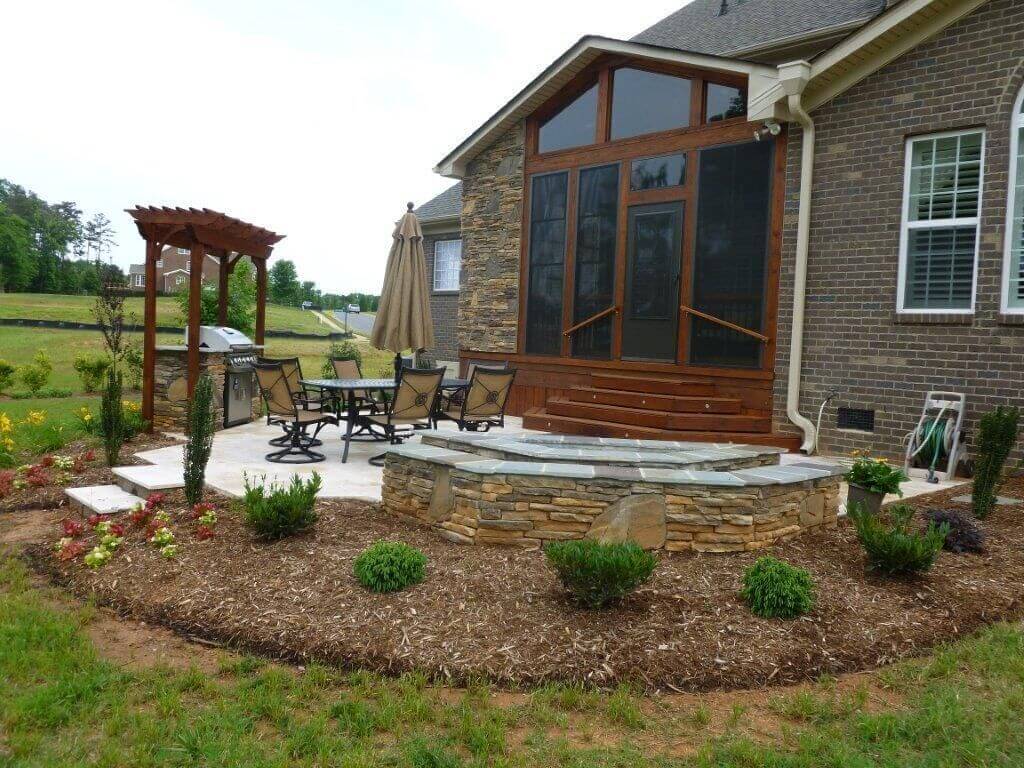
[{"x": 500, "y": 614}]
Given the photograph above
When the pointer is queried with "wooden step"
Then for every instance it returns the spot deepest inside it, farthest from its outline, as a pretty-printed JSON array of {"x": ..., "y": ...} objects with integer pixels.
[
  {"x": 700, "y": 422},
  {"x": 653, "y": 385},
  {"x": 540, "y": 419},
  {"x": 651, "y": 402}
]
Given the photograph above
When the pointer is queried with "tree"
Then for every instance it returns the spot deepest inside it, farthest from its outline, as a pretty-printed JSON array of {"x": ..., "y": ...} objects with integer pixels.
[
  {"x": 241, "y": 300},
  {"x": 98, "y": 236},
  {"x": 17, "y": 268},
  {"x": 284, "y": 283}
]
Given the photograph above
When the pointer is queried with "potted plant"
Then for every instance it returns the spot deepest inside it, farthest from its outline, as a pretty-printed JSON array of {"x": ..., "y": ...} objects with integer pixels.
[{"x": 870, "y": 480}]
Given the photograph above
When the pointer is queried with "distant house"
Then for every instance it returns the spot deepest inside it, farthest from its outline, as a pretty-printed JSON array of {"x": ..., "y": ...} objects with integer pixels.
[
  {"x": 706, "y": 231},
  {"x": 442, "y": 245},
  {"x": 172, "y": 271}
]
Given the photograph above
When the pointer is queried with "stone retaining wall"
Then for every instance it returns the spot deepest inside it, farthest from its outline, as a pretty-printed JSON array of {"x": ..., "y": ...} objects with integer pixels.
[
  {"x": 170, "y": 387},
  {"x": 526, "y": 510}
]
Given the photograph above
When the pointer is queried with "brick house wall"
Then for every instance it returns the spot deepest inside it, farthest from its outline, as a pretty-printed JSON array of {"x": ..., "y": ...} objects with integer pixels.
[
  {"x": 492, "y": 210},
  {"x": 171, "y": 260},
  {"x": 444, "y": 305},
  {"x": 966, "y": 77}
]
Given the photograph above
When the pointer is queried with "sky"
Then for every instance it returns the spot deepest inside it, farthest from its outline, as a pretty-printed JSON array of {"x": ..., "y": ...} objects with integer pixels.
[{"x": 315, "y": 119}]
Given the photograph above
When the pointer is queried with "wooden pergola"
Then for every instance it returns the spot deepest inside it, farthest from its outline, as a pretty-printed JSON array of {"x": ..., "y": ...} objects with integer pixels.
[{"x": 204, "y": 233}]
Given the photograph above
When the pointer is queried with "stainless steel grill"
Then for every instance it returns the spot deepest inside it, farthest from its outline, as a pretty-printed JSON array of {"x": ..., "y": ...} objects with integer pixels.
[{"x": 239, "y": 386}]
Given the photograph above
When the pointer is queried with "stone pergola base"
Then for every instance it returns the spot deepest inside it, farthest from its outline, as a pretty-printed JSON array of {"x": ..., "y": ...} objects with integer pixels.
[{"x": 471, "y": 499}]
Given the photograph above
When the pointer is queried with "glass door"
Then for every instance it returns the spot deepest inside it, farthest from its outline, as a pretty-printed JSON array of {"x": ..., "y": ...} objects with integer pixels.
[
  {"x": 650, "y": 317},
  {"x": 594, "y": 283}
]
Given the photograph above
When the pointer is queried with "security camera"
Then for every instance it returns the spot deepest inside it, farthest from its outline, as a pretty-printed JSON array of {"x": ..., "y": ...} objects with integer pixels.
[{"x": 770, "y": 129}]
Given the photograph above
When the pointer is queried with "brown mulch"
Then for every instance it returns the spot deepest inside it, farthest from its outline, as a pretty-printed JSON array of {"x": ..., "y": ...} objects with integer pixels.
[
  {"x": 96, "y": 473},
  {"x": 500, "y": 614}
]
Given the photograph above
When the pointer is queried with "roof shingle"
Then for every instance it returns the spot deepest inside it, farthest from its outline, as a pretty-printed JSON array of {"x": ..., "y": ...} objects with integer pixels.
[
  {"x": 447, "y": 205},
  {"x": 702, "y": 27}
]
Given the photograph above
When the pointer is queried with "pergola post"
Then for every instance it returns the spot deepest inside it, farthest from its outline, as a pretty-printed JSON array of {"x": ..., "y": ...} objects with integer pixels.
[
  {"x": 222, "y": 293},
  {"x": 195, "y": 299},
  {"x": 261, "y": 298},
  {"x": 149, "y": 333}
]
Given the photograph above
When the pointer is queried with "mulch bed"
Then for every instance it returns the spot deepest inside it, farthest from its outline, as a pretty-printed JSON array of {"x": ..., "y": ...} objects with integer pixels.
[
  {"x": 499, "y": 614},
  {"x": 96, "y": 473}
]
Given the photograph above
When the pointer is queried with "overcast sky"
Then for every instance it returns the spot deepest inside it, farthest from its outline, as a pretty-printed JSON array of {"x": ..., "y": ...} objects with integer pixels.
[{"x": 316, "y": 119}]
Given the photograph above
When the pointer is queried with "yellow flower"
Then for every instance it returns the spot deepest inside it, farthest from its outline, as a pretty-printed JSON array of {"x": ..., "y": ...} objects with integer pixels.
[
  {"x": 8, "y": 444},
  {"x": 85, "y": 414},
  {"x": 35, "y": 417},
  {"x": 130, "y": 405},
  {"x": 5, "y": 424}
]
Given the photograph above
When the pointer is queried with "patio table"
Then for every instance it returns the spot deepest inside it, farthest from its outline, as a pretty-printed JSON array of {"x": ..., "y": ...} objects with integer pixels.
[{"x": 346, "y": 389}]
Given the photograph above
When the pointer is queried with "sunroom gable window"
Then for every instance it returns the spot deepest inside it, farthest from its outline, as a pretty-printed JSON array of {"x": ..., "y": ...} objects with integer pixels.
[
  {"x": 648, "y": 102},
  {"x": 942, "y": 203},
  {"x": 1013, "y": 272},
  {"x": 575, "y": 125}
]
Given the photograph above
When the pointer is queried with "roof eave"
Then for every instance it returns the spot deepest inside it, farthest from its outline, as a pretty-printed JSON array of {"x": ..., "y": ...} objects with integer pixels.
[{"x": 571, "y": 63}]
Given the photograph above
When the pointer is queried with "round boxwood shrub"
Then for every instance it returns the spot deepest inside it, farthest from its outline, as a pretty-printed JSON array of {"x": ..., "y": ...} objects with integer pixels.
[
  {"x": 388, "y": 566},
  {"x": 597, "y": 575},
  {"x": 777, "y": 590}
]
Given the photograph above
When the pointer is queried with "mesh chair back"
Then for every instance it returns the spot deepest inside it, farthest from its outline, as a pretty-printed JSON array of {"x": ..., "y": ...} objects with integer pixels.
[
  {"x": 346, "y": 369},
  {"x": 416, "y": 393},
  {"x": 488, "y": 392},
  {"x": 472, "y": 365},
  {"x": 291, "y": 368},
  {"x": 274, "y": 387}
]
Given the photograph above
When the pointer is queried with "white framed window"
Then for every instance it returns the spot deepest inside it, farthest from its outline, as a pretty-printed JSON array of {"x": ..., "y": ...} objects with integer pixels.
[
  {"x": 183, "y": 251},
  {"x": 939, "y": 239},
  {"x": 447, "y": 264},
  {"x": 140, "y": 281},
  {"x": 1013, "y": 265},
  {"x": 180, "y": 279}
]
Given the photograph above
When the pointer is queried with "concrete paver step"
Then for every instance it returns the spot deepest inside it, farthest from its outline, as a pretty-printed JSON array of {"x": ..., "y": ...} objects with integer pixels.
[
  {"x": 150, "y": 478},
  {"x": 102, "y": 499}
]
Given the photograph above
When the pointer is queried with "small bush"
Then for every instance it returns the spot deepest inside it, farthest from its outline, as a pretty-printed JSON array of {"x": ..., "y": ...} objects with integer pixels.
[
  {"x": 91, "y": 369},
  {"x": 876, "y": 475},
  {"x": 597, "y": 575},
  {"x": 46, "y": 392},
  {"x": 6, "y": 376},
  {"x": 112, "y": 418},
  {"x": 133, "y": 361},
  {"x": 777, "y": 590},
  {"x": 892, "y": 547},
  {"x": 388, "y": 566},
  {"x": 997, "y": 434},
  {"x": 964, "y": 534},
  {"x": 344, "y": 350},
  {"x": 276, "y": 511},
  {"x": 200, "y": 438},
  {"x": 36, "y": 375}
]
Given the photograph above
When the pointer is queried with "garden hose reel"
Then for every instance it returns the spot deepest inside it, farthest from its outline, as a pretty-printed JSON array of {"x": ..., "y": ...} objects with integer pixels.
[{"x": 934, "y": 446}]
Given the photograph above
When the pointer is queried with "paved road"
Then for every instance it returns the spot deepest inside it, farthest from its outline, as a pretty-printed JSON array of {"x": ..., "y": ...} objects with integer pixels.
[{"x": 361, "y": 323}]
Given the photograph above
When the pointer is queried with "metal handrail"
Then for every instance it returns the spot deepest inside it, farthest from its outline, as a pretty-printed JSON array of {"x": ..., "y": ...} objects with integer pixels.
[
  {"x": 603, "y": 313},
  {"x": 724, "y": 323}
]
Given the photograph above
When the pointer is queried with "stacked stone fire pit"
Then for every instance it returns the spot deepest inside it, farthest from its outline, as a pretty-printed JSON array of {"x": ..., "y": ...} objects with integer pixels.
[{"x": 524, "y": 491}]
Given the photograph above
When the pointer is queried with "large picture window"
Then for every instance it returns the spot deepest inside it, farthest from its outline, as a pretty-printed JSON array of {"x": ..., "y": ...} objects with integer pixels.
[
  {"x": 447, "y": 263},
  {"x": 942, "y": 206},
  {"x": 648, "y": 102},
  {"x": 1013, "y": 271}
]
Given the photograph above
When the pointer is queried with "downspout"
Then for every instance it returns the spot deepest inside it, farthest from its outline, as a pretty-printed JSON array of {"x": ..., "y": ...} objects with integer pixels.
[{"x": 794, "y": 77}]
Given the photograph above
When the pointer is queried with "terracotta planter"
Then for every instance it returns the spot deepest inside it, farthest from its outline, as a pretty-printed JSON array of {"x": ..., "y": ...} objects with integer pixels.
[{"x": 869, "y": 501}]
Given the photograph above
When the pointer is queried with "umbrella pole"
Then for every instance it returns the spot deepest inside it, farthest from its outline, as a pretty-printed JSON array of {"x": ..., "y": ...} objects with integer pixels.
[{"x": 398, "y": 367}]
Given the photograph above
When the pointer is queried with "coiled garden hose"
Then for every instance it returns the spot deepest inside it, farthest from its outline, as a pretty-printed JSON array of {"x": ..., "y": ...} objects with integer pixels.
[{"x": 934, "y": 436}]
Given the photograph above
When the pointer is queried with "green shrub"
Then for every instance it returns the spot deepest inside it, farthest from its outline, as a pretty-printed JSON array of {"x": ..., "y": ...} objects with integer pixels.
[
  {"x": 112, "y": 418},
  {"x": 276, "y": 511},
  {"x": 47, "y": 392},
  {"x": 997, "y": 434},
  {"x": 91, "y": 369},
  {"x": 36, "y": 374},
  {"x": 6, "y": 375},
  {"x": 344, "y": 350},
  {"x": 200, "y": 438},
  {"x": 388, "y": 566},
  {"x": 597, "y": 575},
  {"x": 876, "y": 475},
  {"x": 777, "y": 590},
  {"x": 892, "y": 547},
  {"x": 133, "y": 360}
]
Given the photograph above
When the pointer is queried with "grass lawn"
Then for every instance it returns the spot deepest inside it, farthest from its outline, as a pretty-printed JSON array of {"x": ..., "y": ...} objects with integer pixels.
[
  {"x": 62, "y": 704},
  {"x": 78, "y": 309}
]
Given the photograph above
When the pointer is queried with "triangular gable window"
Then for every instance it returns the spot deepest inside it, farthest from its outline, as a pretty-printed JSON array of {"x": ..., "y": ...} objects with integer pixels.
[{"x": 575, "y": 125}]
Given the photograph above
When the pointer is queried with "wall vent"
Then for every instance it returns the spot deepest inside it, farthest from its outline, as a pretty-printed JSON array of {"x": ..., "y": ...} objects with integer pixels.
[{"x": 861, "y": 419}]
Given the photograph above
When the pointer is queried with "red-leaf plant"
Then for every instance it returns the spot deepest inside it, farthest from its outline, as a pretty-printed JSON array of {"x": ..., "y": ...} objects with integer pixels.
[
  {"x": 204, "y": 532},
  {"x": 71, "y": 550},
  {"x": 201, "y": 509},
  {"x": 37, "y": 476},
  {"x": 72, "y": 528},
  {"x": 94, "y": 519},
  {"x": 140, "y": 516},
  {"x": 6, "y": 483},
  {"x": 155, "y": 500},
  {"x": 46, "y": 461}
]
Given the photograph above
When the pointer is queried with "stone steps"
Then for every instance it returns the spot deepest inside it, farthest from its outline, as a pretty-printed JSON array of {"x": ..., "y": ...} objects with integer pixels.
[
  {"x": 102, "y": 499},
  {"x": 145, "y": 479}
]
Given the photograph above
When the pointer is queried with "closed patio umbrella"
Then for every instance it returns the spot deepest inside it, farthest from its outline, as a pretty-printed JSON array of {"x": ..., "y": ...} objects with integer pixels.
[{"x": 403, "y": 315}]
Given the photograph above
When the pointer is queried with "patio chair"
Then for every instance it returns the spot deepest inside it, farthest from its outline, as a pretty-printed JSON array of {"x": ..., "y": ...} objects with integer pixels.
[
  {"x": 456, "y": 398},
  {"x": 283, "y": 409},
  {"x": 412, "y": 407},
  {"x": 483, "y": 405},
  {"x": 306, "y": 398},
  {"x": 365, "y": 398}
]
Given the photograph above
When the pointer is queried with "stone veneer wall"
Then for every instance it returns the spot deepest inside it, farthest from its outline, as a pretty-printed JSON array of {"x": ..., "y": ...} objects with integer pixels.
[
  {"x": 528, "y": 510},
  {"x": 170, "y": 391},
  {"x": 492, "y": 210},
  {"x": 968, "y": 76}
]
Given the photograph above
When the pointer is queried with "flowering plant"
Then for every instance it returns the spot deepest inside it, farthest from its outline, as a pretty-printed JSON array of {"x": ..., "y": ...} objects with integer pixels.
[
  {"x": 63, "y": 463},
  {"x": 154, "y": 500},
  {"x": 204, "y": 532},
  {"x": 72, "y": 528},
  {"x": 202, "y": 508},
  {"x": 162, "y": 537},
  {"x": 35, "y": 418},
  {"x": 103, "y": 527},
  {"x": 111, "y": 542},
  {"x": 97, "y": 556},
  {"x": 169, "y": 551},
  {"x": 875, "y": 475},
  {"x": 37, "y": 476},
  {"x": 94, "y": 519},
  {"x": 70, "y": 550},
  {"x": 139, "y": 516},
  {"x": 6, "y": 483}
]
